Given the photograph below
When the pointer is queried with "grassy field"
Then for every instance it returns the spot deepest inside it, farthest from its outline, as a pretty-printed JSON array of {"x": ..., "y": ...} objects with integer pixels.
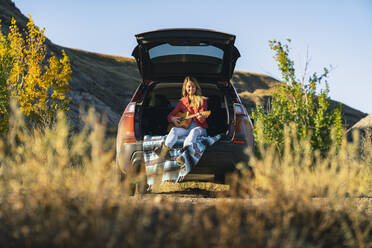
[{"x": 58, "y": 189}]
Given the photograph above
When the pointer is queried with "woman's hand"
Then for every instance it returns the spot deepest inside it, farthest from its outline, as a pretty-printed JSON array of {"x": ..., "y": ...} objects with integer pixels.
[
  {"x": 200, "y": 117},
  {"x": 176, "y": 121}
]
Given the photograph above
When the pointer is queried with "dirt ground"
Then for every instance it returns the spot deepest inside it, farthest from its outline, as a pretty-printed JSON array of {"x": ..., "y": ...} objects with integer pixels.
[{"x": 210, "y": 198}]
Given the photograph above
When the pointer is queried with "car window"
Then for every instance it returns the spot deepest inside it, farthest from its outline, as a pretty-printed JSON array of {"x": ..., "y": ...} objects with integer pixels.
[{"x": 202, "y": 49}]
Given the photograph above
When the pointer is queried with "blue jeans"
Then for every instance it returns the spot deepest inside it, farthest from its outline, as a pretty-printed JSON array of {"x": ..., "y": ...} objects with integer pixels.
[{"x": 192, "y": 132}]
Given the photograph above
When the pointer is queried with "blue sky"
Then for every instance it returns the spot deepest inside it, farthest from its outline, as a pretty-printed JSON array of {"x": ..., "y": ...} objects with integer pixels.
[{"x": 335, "y": 32}]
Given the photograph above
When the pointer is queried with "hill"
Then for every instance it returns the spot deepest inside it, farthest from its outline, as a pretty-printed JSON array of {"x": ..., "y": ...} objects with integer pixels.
[
  {"x": 364, "y": 126},
  {"x": 107, "y": 82},
  {"x": 364, "y": 123}
]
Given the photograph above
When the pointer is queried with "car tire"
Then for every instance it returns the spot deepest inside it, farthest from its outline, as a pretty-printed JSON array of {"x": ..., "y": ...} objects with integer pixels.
[
  {"x": 141, "y": 186},
  {"x": 133, "y": 180},
  {"x": 131, "y": 188},
  {"x": 137, "y": 189}
]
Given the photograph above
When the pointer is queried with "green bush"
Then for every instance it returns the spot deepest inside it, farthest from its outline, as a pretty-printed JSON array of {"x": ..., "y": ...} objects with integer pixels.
[{"x": 299, "y": 104}]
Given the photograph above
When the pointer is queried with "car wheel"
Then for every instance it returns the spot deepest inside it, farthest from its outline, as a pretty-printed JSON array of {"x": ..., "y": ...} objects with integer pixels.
[
  {"x": 133, "y": 180},
  {"x": 141, "y": 186},
  {"x": 137, "y": 189},
  {"x": 135, "y": 184}
]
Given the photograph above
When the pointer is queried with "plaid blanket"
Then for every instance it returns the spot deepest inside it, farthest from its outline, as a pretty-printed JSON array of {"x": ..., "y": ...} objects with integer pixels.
[{"x": 170, "y": 171}]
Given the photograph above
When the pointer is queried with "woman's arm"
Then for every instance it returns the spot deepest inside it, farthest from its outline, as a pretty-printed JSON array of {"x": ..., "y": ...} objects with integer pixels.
[
  {"x": 204, "y": 107},
  {"x": 171, "y": 116}
]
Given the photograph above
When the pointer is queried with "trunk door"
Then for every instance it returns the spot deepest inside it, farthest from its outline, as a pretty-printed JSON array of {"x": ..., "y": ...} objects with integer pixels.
[{"x": 176, "y": 53}]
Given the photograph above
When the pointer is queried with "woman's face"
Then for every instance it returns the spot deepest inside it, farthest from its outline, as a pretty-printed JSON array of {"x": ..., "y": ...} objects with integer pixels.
[{"x": 190, "y": 88}]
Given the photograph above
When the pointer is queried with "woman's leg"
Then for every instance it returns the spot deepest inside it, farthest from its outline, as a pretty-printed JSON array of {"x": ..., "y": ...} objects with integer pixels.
[
  {"x": 163, "y": 152},
  {"x": 194, "y": 133},
  {"x": 190, "y": 139},
  {"x": 174, "y": 133}
]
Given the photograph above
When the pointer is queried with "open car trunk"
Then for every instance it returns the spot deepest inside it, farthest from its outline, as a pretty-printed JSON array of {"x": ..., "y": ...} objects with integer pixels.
[
  {"x": 161, "y": 99},
  {"x": 165, "y": 53}
]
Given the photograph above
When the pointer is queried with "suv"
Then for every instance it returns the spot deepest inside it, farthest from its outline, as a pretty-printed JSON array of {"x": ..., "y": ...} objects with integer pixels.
[{"x": 164, "y": 58}]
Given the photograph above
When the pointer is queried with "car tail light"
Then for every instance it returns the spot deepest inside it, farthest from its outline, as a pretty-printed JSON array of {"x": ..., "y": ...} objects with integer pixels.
[
  {"x": 240, "y": 116},
  {"x": 131, "y": 107},
  {"x": 126, "y": 126}
]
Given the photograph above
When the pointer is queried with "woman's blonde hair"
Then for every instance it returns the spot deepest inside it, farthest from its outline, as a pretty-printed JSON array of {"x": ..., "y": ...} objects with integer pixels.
[{"x": 197, "y": 99}]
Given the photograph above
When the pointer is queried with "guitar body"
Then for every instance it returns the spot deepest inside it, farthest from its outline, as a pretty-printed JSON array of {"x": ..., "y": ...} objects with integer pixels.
[
  {"x": 186, "y": 119},
  {"x": 185, "y": 123}
]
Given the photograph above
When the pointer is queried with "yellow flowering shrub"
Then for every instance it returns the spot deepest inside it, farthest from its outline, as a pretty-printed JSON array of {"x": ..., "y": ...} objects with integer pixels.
[
  {"x": 6, "y": 62},
  {"x": 37, "y": 80}
]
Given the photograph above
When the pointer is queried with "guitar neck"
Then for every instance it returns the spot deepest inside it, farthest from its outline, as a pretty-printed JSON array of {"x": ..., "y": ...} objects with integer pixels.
[
  {"x": 189, "y": 117},
  {"x": 204, "y": 113}
]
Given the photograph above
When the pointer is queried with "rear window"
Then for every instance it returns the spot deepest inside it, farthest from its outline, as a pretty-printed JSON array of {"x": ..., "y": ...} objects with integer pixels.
[
  {"x": 195, "y": 58},
  {"x": 200, "y": 49}
]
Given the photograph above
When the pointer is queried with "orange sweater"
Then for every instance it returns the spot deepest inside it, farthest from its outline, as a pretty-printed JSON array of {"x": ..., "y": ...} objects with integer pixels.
[{"x": 184, "y": 106}]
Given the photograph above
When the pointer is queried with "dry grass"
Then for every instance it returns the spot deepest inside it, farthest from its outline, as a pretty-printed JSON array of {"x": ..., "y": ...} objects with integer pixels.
[{"x": 59, "y": 190}]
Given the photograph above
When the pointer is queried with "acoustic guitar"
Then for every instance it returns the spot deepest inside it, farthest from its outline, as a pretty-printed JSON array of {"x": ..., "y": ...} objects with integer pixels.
[{"x": 186, "y": 119}]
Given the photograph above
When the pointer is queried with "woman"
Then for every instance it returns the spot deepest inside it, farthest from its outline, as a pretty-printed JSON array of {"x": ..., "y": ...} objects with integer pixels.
[{"x": 194, "y": 103}]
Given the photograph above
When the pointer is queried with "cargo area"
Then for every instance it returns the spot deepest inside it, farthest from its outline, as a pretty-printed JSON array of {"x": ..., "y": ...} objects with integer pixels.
[{"x": 161, "y": 98}]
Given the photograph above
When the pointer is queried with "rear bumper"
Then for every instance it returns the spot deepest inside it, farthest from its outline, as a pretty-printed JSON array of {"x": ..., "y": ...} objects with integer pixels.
[
  {"x": 129, "y": 156},
  {"x": 220, "y": 158}
]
